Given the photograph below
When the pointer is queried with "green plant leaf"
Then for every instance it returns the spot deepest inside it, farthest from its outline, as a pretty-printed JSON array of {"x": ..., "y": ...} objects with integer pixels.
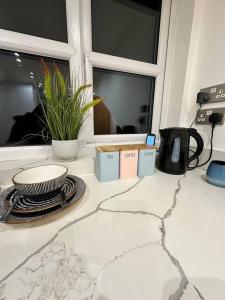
[
  {"x": 81, "y": 89},
  {"x": 64, "y": 108},
  {"x": 87, "y": 106}
]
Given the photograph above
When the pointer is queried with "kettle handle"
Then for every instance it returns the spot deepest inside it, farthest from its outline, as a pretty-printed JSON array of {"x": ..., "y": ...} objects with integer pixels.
[{"x": 200, "y": 144}]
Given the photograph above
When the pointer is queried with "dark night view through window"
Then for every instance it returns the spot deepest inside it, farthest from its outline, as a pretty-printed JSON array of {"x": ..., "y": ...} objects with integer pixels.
[
  {"x": 42, "y": 18},
  {"x": 127, "y": 105},
  {"x": 126, "y": 28},
  {"x": 21, "y": 115}
]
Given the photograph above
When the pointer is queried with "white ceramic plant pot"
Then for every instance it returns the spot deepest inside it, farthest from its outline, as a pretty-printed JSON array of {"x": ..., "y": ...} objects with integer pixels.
[{"x": 65, "y": 150}]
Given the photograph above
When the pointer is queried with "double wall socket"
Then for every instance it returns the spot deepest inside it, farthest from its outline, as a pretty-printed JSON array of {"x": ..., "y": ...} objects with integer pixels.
[
  {"x": 216, "y": 93},
  {"x": 203, "y": 115}
]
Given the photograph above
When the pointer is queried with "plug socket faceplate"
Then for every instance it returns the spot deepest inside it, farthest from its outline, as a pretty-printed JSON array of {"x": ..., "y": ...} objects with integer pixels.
[
  {"x": 203, "y": 115},
  {"x": 216, "y": 93}
]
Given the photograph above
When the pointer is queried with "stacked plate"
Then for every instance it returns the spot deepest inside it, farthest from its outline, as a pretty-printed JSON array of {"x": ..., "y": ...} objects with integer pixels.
[{"x": 39, "y": 193}]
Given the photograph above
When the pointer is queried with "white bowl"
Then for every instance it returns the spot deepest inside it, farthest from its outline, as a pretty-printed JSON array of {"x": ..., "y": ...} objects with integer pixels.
[{"x": 40, "y": 180}]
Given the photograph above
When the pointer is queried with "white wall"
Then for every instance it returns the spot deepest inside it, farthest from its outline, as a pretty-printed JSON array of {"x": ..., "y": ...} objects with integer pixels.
[{"x": 206, "y": 63}]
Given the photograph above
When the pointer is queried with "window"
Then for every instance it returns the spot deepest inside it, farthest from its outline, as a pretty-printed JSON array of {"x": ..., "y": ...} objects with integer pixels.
[
  {"x": 43, "y": 18},
  {"x": 21, "y": 115},
  {"x": 126, "y": 28},
  {"x": 127, "y": 105},
  {"x": 119, "y": 46},
  {"x": 125, "y": 44}
]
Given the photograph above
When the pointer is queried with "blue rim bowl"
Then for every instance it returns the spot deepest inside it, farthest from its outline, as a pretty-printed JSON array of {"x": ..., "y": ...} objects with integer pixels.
[{"x": 215, "y": 173}]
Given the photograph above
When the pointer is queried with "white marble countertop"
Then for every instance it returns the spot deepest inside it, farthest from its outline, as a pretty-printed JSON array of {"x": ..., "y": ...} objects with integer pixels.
[{"x": 159, "y": 237}]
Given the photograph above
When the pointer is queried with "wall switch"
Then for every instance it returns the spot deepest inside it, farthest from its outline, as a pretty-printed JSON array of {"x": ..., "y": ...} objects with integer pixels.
[
  {"x": 216, "y": 93},
  {"x": 203, "y": 115}
]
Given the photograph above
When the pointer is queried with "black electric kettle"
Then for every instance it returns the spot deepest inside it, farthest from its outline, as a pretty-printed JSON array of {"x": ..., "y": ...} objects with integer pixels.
[{"x": 174, "y": 150}]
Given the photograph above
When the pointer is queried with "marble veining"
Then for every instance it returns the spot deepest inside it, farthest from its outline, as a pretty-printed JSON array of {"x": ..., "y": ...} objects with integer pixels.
[
  {"x": 55, "y": 273},
  {"x": 64, "y": 228},
  {"x": 184, "y": 280},
  {"x": 199, "y": 293},
  {"x": 86, "y": 256}
]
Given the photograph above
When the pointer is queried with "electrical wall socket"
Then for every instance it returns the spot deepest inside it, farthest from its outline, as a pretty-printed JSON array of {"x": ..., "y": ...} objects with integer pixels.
[
  {"x": 216, "y": 93},
  {"x": 203, "y": 115}
]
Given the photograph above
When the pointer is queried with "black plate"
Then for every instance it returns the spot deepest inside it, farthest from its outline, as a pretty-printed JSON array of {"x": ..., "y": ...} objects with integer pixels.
[
  {"x": 79, "y": 188},
  {"x": 27, "y": 205}
]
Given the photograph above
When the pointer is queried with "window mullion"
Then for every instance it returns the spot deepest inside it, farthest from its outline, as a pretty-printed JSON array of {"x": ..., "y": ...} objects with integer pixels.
[
  {"x": 74, "y": 37},
  {"x": 123, "y": 64},
  {"x": 86, "y": 26},
  {"x": 87, "y": 130},
  {"x": 78, "y": 65},
  {"x": 20, "y": 42}
]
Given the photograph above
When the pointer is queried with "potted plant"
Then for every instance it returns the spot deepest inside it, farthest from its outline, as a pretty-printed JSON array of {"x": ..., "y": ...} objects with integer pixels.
[{"x": 65, "y": 108}]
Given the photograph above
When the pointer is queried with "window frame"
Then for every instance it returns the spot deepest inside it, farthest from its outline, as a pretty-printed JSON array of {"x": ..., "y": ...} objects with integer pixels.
[
  {"x": 71, "y": 51},
  {"x": 105, "y": 61},
  {"x": 82, "y": 60}
]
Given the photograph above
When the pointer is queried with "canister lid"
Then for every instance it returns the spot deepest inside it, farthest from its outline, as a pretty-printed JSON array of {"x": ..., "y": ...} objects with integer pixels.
[
  {"x": 126, "y": 147},
  {"x": 145, "y": 147},
  {"x": 110, "y": 148}
]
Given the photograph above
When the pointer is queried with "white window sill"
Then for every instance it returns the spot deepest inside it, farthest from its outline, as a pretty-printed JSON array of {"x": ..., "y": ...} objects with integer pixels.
[{"x": 45, "y": 152}]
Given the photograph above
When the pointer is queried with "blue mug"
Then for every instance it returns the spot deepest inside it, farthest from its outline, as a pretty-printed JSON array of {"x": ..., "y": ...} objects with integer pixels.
[{"x": 216, "y": 173}]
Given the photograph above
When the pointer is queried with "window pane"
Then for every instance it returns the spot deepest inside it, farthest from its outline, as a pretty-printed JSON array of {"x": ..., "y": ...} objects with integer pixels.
[
  {"x": 128, "y": 102},
  {"x": 126, "y": 28},
  {"x": 20, "y": 109},
  {"x": 43, "y": 18}
]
